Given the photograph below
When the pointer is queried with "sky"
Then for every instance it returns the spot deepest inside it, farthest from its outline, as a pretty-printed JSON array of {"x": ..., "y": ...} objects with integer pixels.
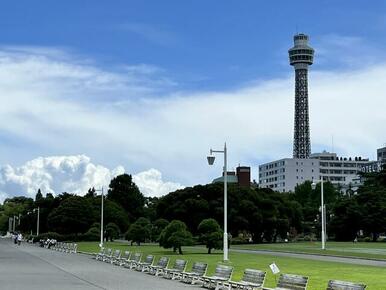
[{"x": 92, "y": 89}]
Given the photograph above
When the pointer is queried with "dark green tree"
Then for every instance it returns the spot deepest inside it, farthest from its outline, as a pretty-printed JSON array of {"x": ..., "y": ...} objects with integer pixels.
[
  {"x": 157, "y": 228},
  {"x": 73, "y": 215},
  {"x": 210, "y": 234},
  {"x": 175, "y": 235},
  {"x": 125, "y": 192},
  {"x": 139, "y": 231},
  {"x": 112, "y": 232}
]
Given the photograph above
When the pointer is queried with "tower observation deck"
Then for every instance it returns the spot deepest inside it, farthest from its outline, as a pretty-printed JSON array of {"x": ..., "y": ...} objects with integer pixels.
[{"x": 301, "y": 56}]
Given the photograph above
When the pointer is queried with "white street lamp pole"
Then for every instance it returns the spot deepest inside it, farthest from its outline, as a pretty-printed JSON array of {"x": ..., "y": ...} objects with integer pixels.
[
  {"x": 102, "y": 199},
  {"x": 323, "y": 211},
  {"x": 14, "y": 222},
  {"x": 225, "y": 173},
  {"x": 38, "y": 222}
]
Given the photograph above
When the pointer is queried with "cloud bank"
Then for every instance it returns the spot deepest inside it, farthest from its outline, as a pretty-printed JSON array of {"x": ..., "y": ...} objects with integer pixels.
[{"x": 73, "y": 174}]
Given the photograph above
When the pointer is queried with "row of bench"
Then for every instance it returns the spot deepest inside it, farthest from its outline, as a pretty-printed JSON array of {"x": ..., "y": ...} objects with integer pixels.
[
  {"x": 64, "y": 247},
  {"x": 252, "y": 279}
]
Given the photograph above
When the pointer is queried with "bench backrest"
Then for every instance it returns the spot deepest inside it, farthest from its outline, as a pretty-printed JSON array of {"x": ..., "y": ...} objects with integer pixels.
[
  {"x": 344, "y": 285},
  {"x": 109, "y": 252},
  {"x": 136, "y": 257},
  {"x": 293, "y": 282},
  {"x": 149, "y": 259},
  {"x": 199, "y": 268},
  {"x": 255, "y": 277},
  {"x": 126, "y": 255},
  {"x": 179, "y": 265},
  {"x": 117, "y": 253},
  {"x": 163, "y": 262},
  {"x": 223, "y": 271}
]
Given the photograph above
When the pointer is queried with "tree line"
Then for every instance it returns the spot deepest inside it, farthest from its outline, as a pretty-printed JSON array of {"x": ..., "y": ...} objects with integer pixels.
[{"x": 195, "y": 214}]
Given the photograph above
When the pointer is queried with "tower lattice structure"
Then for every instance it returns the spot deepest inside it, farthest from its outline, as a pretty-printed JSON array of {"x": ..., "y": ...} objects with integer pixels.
[{"x": 301, "y": 56}]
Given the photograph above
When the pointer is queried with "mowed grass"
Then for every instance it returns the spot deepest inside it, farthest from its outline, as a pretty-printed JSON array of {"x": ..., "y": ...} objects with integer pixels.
[
  {"x": 343, "y": 249},
  {"x": 319, "y": 272}
]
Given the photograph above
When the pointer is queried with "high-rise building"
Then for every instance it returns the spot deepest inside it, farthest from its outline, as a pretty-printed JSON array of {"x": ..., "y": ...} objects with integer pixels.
[{"x": 301, "y": 56}]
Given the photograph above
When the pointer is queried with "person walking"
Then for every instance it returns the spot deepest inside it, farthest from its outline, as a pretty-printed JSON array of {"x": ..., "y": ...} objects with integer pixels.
[{"x": 19, "y": 238}]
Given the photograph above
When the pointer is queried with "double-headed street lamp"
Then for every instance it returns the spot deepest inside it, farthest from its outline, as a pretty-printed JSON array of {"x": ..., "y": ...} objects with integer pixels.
[
  {"x": 323, "y": 212},
  {"x": 102, "y": 198},
  {"x": 211, "y": 159}
]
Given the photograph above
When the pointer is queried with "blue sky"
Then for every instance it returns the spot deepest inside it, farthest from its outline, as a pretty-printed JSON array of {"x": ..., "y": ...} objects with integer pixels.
[
  {"x": 92, "y": 88},
  {"x": 200, "y": 44}
]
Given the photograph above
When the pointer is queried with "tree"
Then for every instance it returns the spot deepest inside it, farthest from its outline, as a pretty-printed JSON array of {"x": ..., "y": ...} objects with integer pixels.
[
  {"x": 139, "y": 231},
  {"x": 372, "y": 199},
  {"x": 210, "y": 234},
  {"x": 126, "y": 193},
  {"x": 346, "y": 219},
  {"x": 39, "y": 195},
  {"x": 112, "y": 232},
  {"x": 157, "y": 228},
  {"x": 73, "y": 215},
  {"x": 176, "y": 235}
]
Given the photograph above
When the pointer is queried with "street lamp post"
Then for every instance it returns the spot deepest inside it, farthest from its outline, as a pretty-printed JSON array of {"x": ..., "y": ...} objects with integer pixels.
[
  {"x": 323, "y": 212},
  {"x": 211, "y": 159},
  {"x": 101, "y": 190},
  {"x": 37, "y": 220}
]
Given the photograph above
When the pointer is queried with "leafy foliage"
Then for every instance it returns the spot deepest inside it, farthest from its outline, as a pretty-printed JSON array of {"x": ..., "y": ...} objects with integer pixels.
[
  {"x": 175, "y": 235},
  {"x": 210, "y": 234},
  {"x": 139, "y": 231},
  {"x": 125, "y": 192}
]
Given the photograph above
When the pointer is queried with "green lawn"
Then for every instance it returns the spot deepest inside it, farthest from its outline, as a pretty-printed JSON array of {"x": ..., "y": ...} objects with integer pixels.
[
  {"x": 319, "y": 272},
  {"x": 348, "y": 249}
]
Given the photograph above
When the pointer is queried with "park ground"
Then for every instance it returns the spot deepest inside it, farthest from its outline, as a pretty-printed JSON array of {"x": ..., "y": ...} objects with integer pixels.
[{"x": 318, "y": 271}]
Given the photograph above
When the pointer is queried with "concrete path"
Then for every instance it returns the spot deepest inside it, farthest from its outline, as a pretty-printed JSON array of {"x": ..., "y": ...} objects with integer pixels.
[
  {"x": 33, "y": 268},
  {"x": 326, "y": 258}
]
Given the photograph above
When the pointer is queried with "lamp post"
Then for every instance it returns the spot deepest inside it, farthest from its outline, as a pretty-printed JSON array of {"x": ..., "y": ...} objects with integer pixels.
[
  {"x": 37, "y": 220},
  {"x": 211, "y": 159},
  {"x": 102, "y": 197},
  {"x": 14, "y": 222},
  {"x": 323, "y": 212}
]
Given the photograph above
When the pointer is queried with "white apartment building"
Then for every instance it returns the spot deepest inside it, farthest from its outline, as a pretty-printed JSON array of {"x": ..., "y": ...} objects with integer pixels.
[{"x": 283, "y": 175}]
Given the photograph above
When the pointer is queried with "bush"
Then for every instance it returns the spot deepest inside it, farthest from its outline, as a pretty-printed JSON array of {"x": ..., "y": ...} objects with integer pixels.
[
  {"x": 239, "y": 241},
  {"x": 93, "y": 234}
]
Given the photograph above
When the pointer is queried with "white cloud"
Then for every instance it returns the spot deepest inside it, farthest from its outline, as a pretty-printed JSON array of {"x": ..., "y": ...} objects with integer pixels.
[
  {"x": 73, "y": 174},
  {"x": 151, "y": 182},
  {"x": 62, "y": 106}
]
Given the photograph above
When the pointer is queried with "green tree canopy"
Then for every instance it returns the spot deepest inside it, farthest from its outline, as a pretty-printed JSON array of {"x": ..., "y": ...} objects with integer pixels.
[
  {"x": 125, "y": 192},
  {"x": 139, "y": 231},
  {"x": 73, "y": 215},
  {"x": 210, "y": 234},
  {"x": 175, "y": 235}
]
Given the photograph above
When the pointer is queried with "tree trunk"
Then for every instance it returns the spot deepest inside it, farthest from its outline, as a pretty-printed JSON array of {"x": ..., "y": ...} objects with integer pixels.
[
  {"x": 180, "y": 250},
  {"x": 209, "y": 250}
]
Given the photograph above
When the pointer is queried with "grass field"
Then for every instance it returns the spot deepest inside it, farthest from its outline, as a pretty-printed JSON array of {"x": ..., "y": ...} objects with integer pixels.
[
  {"x": 319, "y": 272},
  {"x": 349, "y": 249}
]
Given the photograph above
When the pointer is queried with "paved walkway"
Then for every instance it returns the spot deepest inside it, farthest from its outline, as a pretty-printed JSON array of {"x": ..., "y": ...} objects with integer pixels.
[
  {"x": 355, "y": 261},
  {"x": 33, "y": 268}
]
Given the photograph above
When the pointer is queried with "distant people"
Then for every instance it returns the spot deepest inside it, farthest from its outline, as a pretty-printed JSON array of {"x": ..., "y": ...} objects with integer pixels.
[
  {"x": 19, "y": 238},
  {"x": 355, "y": 240},
  {"x": 14, "y": 237}
]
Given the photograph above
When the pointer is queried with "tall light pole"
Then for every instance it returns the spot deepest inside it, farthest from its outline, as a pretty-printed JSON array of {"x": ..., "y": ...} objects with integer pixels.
[
  {"x": 211, "y": 161},
  {"x": 37, "y": 219},
  {"x": 14, "y": 222},
  {"x": 323, "y": 212},
  {"x": 102, "y": 198}
]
